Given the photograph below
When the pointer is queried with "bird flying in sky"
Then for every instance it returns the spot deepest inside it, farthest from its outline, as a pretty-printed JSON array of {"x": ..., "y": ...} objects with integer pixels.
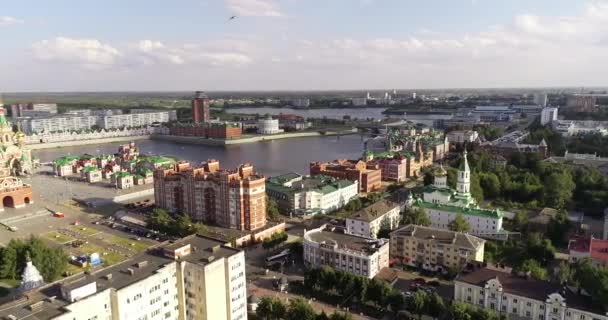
[{"x": 232, "y": 18}]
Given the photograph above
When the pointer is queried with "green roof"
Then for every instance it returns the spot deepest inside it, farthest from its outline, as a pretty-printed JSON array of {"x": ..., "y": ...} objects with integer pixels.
[
  {"x": 65, "y": 160},
  {"x": 89, "y": 169},
  {"x": 121, "y": 174},
  {"x": 486, "y": 213},
  {"x": 284, "y": 178}
]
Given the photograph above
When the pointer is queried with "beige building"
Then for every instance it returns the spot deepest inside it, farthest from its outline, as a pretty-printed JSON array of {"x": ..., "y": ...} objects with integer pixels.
[
  {"x": 369, "y": 220},
  {"x": 521, "y": 297},
  {"x": 435, "y": 249},
  {"x": 330, "y": 246},
  {"x": 192, "y": 278}
]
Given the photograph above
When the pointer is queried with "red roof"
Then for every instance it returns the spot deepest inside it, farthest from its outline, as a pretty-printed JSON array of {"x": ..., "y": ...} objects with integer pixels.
[{"x": 597, "y": 248}]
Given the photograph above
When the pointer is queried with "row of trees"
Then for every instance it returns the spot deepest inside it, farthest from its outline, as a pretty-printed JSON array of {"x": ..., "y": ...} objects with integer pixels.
[
  {"x": 274, "y": 240},
  {"x": 582, "y": 274},
  {"x": 271, "y": 308},
  {"x": 180, "y": 226},
  {"x": 532, "y": 254},
  {"x": 51, "y": 262}
]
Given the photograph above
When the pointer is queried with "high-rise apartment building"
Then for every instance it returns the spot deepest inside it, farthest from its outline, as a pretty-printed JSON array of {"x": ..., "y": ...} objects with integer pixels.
[
  {"x": 192, "y": 278},
  {"x": 548, "y": 115},
  {"x": 200, "y": 108},
  {"x": 229, "y": 198}
]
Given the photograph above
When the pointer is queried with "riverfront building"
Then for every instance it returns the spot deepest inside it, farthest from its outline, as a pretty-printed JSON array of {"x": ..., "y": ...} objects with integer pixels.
[
  {"x": 435, "y": 249},
  {"x": 442, "y": 204},
  {"x": 229, "y": 198},
  {"x": 208, "y": 130},
  {"x": 297, "y": 194},
  {"x": 368, "y": 221},
  {"x": 357, "y": 255},
  {"x": 269, "y": 126},
  {"x": 522, "y": 297},
  {"x": 192, "y": 278},
  {"x": 200, "y": 108},
  {"x": 369, "y": 178}
]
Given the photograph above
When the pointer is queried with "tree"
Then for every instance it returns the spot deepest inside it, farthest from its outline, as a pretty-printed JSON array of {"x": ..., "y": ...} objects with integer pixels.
[
  {"x": 557, "y": 230},
  {"x": 484, "y": 314},
  {"x": 558, "y": 189},
  {"x": 459, "y": 224},
  {"x": 385, "y": 229},
  {"x": 459, "y": 311},
  {"x": 299, "y": 309},
  {"x": 272, "y": 209},
  {"x": 396, "y": 301},
  {"x": 535, "y": 269},
  {"x": 564, "y": 273},
  {"x": 490, "y": 184},
  {"x": 520, "y": 221},
  {"x": 428, "y": 178},
  {"x": 51, "y": 262},
  {"x": 159, "y": 220},
  {"x": 183, "y": 226},
  {"x": 476, "y": 190},
  {"x": 341, "y": 316},
  {"x": 418, "y": 302},
  {"x": 378, "y": 292},
  {"x": 271, "y": 308},
  {"x": 435, "y": 307},
  {"x": 415, "y": 215}
]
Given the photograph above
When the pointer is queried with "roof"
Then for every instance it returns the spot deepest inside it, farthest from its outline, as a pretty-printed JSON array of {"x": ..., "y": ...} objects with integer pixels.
[
  {"x": 374, "y": 211},
  {"x": 544, "y": 216},
  {"x": 459, "y": 239},
  {"x": 486, "y": 213},
  {"x": 525, "y": 287},
  {"x": 329, "y": 236},
  {"x": 317, "y": 183},
  {"x": 597, "y": 248}
]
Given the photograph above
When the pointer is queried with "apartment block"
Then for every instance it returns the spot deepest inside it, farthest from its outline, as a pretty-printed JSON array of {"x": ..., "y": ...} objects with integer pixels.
[
  {"x": 435, "y": 249},
  {"x": 368, "y": 221},
  {"x": 228, "y": 198},
  {"x": 522, "y": 297},
  {"x": 192, "y": 278},
  {"x": 329, "y": 245},
  {"x": 369, "y": 178}
]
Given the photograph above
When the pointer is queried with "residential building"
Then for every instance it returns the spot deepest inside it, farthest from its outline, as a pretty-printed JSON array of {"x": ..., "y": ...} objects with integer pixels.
[
  {"x": 494, "y": 113},
  {"x": 208, "y": 130},
  {"x": 540, "y": 99},
  {"x": 435, "y": 249},
  {"x": 589, "y": 248},
  {"x": 513, "y": 142},
  {"x": 462, "y": 136},
  {"x": 442, "y": 204},
  {"x": 136, "y": 119},
  {"x": 548, "y": 115},
  {"x": 300, "y": 102},
  {"x": 200, "y": 108},
  {"x": 229, "y": 198},
  {"x": 33, "y": 109},
  {"x": 298, "y": 194},
  {"x": 581, "y": 103},
  {"x": 408, "y": 141},
  {"x": 368, "y": 221},
  {"x": 522, "y": 297},
  {"x": 269, "y": 126},
  {"x": 393, "y": 169},
  {"x": 330, "y": 246},
  {"x": 192, "y": 278},
  {"x": 568, "y": 128},
  {"x": 369, "y": 178},
  {"x": 122, "y": 179},
  {"x": 91, "y": 174}
]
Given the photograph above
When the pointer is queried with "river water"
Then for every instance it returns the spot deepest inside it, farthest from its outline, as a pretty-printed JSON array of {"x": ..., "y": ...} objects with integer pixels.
[
  {"x": 335, "y": 113},
  {"x": 269, "y": 157}
]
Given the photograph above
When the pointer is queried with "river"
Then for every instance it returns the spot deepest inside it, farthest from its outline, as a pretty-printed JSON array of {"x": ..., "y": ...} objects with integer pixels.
[
  {"x": 269, "y": 158},
  {"x": 335, "y": 113}
]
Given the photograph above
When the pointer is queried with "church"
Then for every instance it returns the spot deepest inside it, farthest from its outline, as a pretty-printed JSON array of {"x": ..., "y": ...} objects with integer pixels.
[
  {"x": 442, "y": 204},
  {"x": 15, "y": 160}
]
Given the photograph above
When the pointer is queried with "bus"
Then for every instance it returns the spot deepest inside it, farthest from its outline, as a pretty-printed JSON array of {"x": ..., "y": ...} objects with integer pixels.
[{"x": 277, "y": 258}]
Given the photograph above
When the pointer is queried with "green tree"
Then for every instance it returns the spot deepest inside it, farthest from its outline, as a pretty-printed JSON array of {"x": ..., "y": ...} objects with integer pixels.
[
  {"x": 564, "y": 273},
  {"x": 535, "y": 269},
  {"x": 459, "y": 224},
  {"x": 418, "y": 303},
  {"x": 159, "y": 220},
  {"x": 476, "y": 190},
  {"x": 428, "y": 178},
  {"x": 484, "y": 314},
  {"x": 271, "y": 308},
  {"x": 50, "y": 261},
  {"x": 558, "y": 189},
  {"x": 415, "y": 215},
  {"x": 459, "y": 311},
  {"x": 435, "y": 307},
  {"x": 396, "y": 301},
  {"x": 520, "y": 221},
  {"x": 272, "y": 209},
  {"x": 490, "y": 184},
  {"x": 183, "y": 226},
  {"x": 557, "y": 230},
  {"x": 299, "y": 309}
]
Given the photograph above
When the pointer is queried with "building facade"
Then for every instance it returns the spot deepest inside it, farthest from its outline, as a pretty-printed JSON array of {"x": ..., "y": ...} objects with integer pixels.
[
  {"x": 581, "y": 103},
  {"x": 442, "y": 204},
  {"x": 548, "y": 115},
  {"x": 368, "y": 221},
  {"x": 269, "y": 126},
  {"x": 357, "y": 255},
  {"x": 297, "y": 194},
  {"x": 462, "y": 136},
  {"x": 209, "y": 130},
  {"x": 568, "y": 128},
  {"x": 369, "y": 178},
  {"x": 521, "y": 297},
  {"x": 229, "y": 198},
  {"x": 192, "y": 278},
  {"x": 33, "y": 109},
  {"x": 200, "y": 108},
  {"x": 434, "y": 249}
]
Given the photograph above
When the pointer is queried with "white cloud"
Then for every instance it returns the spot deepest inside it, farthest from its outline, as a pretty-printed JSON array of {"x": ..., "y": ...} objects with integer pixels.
[
  {"x": 9, "y": 21},
  {"x": 254, "y": 8},
  {"x": 89, "y": 53},
  {"x": 155, "y": 51}
]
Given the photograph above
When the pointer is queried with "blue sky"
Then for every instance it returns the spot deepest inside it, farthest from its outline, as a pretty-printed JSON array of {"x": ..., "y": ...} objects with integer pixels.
[{"x": 69, "y": 45}]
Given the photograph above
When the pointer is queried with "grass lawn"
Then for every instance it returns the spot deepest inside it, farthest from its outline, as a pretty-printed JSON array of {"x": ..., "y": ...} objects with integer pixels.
[
  {"x": 57, "y": 237},
  {"x": 6, "y": 285},
  {"x": 87, "y": 231},
  {"x": 108, "y": 258},
  {"x": 136, "y": 245}
]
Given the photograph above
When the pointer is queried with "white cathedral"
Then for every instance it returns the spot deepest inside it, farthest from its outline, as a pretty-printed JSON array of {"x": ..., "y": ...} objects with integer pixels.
[{"x": 442, "y": 204}]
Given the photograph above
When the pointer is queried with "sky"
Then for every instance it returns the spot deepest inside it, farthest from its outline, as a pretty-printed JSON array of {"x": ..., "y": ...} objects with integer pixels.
[{"x": 167, "y": 45}]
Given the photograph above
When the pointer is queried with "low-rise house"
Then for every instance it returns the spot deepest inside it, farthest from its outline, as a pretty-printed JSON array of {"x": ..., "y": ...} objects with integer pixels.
[
  {"x": 589, "y": 248},
  {"x": 330, "y": 246},
  {"x": 63, "y": 166},
  {"x": 143, "y": 176},
  {"x": 368, "y": 221},
  {"x": 122, "y": 180},
  {"x": 91, "y": 174},
  {"x": 435, "y": 249},
  {"x": 522, "y": 297}
]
